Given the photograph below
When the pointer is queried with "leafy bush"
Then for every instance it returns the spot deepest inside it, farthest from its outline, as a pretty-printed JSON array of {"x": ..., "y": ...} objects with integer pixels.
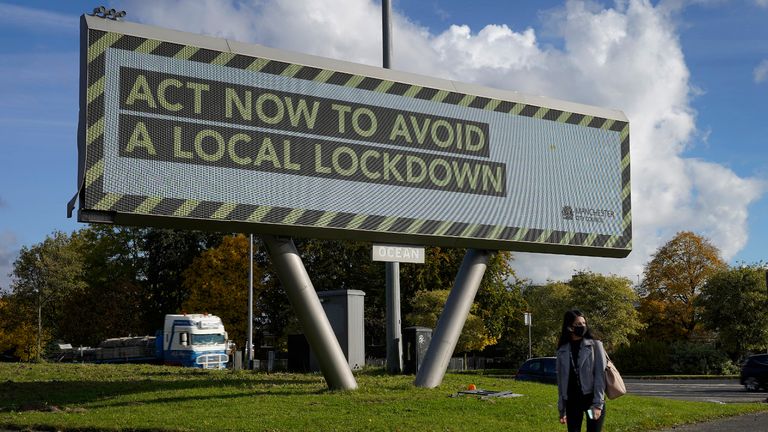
[
  {"x": 643, "y": 357},
  {"x": 682, "y": 357},
  {"x": 698, "y": 358}
]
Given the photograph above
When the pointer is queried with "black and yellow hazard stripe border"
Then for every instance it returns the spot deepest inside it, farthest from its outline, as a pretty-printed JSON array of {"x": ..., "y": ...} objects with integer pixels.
[{"x": 516, "y": 238}]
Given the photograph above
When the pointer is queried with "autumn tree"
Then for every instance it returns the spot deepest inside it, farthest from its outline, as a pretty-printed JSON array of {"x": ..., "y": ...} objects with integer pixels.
[
  {"x": 734, "y": 304},
  {"x": 426, "y": 309},
  {"x": 43, "y": 277},
  {"x": 168, "y": 253},
  {"x": 496, "y": 314},
  {"x": 217, "y": 282},
  {"x": 18, "y": 335},
  {"x": 672, "y": 281}
]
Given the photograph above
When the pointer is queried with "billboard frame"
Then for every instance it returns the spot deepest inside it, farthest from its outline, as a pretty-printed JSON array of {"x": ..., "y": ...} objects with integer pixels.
[{"x": 317, "y": 224}]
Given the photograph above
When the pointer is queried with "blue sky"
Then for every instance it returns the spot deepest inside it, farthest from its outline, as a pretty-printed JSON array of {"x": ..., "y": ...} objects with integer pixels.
[{"x": 692, "y": 76}]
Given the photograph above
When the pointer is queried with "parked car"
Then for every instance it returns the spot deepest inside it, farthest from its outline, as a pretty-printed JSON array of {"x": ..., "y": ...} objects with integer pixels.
[
  {"x": 754, "y": 372},
  {"x": 540, "y": 369}
]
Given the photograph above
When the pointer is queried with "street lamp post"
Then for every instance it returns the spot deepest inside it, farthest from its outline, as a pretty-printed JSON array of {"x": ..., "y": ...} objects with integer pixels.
[{"x": 528, "y": 323}]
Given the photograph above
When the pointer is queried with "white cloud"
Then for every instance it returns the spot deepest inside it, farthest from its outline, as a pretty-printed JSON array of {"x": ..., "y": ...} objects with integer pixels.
[
  {"x": 627, "y": 57},
  {"x": 761, "y": 71},
  {"x": 29, "y": 17},
  {"x": 762, "y": 3}
]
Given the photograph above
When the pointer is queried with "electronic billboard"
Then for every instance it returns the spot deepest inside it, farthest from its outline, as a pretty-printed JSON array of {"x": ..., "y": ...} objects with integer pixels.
[{"x": 178, "y": 129}]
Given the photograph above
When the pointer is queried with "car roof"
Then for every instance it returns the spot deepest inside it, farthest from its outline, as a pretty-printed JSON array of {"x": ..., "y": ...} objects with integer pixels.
[{"x": 540, "y": 358}]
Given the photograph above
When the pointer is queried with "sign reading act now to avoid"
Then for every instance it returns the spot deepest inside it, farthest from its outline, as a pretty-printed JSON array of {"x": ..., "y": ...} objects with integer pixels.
[{"x": 249, "y": 144}]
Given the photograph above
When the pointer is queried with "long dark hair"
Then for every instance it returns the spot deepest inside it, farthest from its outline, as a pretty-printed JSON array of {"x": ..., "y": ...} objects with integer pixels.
[{"x": 568, "y": 319}]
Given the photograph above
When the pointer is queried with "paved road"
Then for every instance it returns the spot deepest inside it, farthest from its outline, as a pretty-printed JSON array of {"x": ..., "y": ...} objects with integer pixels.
[
  {"x": 718, "y": 391},
  {"x": 746, "y": 423}
]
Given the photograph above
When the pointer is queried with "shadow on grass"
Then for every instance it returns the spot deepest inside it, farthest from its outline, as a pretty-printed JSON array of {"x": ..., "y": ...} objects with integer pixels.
[{"x": 40, "y": 395}]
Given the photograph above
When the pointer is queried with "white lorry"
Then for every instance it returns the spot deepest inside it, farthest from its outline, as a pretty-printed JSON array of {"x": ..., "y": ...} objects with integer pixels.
[
  {"x": 196, "y": 340},
  {"x": 191, "y": 340}
]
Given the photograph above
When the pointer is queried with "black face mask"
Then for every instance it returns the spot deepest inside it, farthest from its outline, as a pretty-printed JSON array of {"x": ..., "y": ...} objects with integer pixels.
[{"x": 579, "y": 330}]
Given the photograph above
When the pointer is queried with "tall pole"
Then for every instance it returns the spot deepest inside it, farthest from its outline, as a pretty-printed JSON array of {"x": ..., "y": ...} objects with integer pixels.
[
  {"x": 39, "y": 323},
  {"x": 394, "y": 332},
  {"x": 249, "y": 356},
  {"x": 530, "y": 324},
  {"x": 386, "y": 32},
  {"x": 452, "y": 319}
]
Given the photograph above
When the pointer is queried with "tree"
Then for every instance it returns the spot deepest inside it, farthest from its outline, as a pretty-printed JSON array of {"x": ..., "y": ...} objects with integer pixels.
[
  {"x": 609, "y": 304},
  {"x": 426, "y": 309},
  {"x": 43, "y": 277},
  {"x": 217, "y": 282},
  {"x": 501, "y": 306},
  {"x": 734, "y": 304},
  {"x": 607, "y": 301},
  {"x": 112, "y": 300},
  {"x": 18, "y": 336},
  {"x": 672, "y": 281},
  {"x": 168, "y": 253},
  {"x": 547, "y": 304}
]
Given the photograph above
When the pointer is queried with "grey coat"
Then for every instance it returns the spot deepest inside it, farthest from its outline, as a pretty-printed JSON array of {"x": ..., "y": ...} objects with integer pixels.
[{"x": 591, "y": 364}]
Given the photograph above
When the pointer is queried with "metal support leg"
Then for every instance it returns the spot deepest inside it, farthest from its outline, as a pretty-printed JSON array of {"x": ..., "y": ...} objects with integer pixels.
[
  {"x": 394, "y": 333},
  {"x": 310, "y": 313},
  {"x": 452, "y": 319},
  {"x": 249, "y": 342}
]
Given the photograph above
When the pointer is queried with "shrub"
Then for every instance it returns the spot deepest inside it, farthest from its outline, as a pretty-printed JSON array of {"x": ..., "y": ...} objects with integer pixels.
[
  {"x": 698, "y": 358},
  {"x": 643, "y": 357}
]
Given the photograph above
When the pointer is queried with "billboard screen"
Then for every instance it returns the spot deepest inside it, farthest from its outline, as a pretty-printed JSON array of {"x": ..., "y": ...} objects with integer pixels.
[{"x": 184, "y": 130}]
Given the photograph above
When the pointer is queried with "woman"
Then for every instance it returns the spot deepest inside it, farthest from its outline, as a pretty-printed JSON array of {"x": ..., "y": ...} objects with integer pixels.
[{"x": 580, "y": 375}]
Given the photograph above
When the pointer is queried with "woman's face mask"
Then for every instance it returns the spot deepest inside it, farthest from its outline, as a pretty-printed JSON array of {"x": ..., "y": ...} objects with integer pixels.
[{"x": 579, "y": 330}]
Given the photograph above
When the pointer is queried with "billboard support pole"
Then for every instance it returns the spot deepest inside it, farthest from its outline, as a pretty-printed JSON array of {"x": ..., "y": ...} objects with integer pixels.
[
  {"x": 452, "y": 319},
  {"x": 306, "y": 304},
  {"x": 250, "y": 305},
  {"x": 394, "y": 332}
]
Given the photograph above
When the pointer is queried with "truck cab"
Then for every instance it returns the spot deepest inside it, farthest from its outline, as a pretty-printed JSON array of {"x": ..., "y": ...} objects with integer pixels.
[{"x": 194, "y": 340}]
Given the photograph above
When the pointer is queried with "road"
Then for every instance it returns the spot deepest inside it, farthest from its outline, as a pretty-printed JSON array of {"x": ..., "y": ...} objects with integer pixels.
[{"x": 718, "y": 391}]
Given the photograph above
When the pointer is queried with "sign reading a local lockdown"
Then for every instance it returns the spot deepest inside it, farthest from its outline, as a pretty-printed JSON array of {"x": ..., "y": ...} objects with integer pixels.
[{"x": 186, "y": 130}]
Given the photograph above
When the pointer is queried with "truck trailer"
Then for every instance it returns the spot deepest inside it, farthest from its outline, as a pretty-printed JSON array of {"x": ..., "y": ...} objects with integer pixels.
[{"x": 190, "y": 340}]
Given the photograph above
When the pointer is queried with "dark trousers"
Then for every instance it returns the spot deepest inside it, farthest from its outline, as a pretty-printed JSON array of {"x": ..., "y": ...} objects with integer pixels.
[{"x": 576, "y": 410}]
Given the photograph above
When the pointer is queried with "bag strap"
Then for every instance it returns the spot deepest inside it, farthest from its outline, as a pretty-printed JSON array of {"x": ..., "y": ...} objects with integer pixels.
[
  {"x": 575, "y": 368},
  {"x": 607, "y": 357}
]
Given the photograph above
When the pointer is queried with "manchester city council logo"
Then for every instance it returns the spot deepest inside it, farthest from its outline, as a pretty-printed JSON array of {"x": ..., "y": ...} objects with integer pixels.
[{"x": 568, "y": 213}]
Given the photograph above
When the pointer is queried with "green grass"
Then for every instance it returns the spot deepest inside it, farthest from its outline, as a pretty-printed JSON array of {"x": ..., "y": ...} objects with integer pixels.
[{"x": 143, "y": 397}]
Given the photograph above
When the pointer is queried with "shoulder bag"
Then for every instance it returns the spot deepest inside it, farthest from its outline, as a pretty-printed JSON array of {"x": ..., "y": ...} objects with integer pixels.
[{"x": 614, "y": 384}]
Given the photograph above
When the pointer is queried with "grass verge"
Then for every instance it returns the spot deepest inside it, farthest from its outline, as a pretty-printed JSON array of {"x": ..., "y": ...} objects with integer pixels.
[{"x": 157, "y": 398}]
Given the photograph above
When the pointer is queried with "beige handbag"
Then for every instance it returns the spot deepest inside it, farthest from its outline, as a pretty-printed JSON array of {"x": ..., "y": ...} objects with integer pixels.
[{"x": 614, "y": 384}]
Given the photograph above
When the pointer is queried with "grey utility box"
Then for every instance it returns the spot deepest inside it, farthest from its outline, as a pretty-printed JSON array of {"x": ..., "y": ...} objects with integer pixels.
[
  {"x": 344, "y": 309},
  {"x": 415, "y": 344}
]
